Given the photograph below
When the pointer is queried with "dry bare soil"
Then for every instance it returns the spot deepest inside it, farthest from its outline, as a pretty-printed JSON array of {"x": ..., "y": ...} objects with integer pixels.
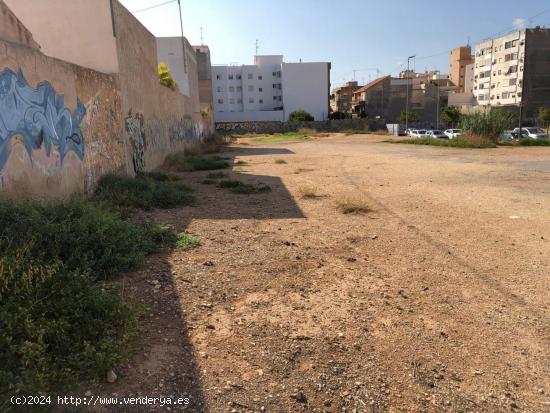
[{"x": 436, "y": 300}]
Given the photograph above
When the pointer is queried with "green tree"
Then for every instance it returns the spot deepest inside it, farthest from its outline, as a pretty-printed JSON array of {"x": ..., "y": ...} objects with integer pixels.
[
  {"x": 451, "y": 114},
  {"x": 300, "y": 116},
  {"x": 406, "y": 117},
  {"x": 544, "y": 115}
]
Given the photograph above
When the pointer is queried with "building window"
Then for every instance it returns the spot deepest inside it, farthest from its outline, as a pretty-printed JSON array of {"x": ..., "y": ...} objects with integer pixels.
[
  {"x": 238, "y": 77},
  {"x": 279, "y": 98},
  {"x": 219, "y": 89},
  {"x": 260, "y": 89},
  {"x": 230, "y": 77},
  {"x": 218, "y": 77},
  {"x": 251, "y": 100},
  {"x": 512, "y": 82},
  {"x": 232, "y": 101},
  {"x": 260, "y": 77},
  {"x": 274, "y": 74},
  {"x": 261, "y": 101},
  {"x": 220, "y": 101},
  {"x": 231, "y": 88},
  {"x": 250, "y": 75},
  {"x": 512, "y": 69},
  {"x": 250, "y": 88},
  {"x": 274, "y": 97},
  {"x": 239, "y": 88},
  {"x": 505, "y": 95}
]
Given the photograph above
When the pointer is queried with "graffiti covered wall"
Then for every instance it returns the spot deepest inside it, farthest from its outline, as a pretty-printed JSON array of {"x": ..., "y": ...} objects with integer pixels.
[{"x": 59, "y": 124}]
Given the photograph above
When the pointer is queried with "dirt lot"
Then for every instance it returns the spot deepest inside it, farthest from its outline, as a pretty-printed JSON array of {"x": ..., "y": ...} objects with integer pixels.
[{"x": 436, "y": 300}]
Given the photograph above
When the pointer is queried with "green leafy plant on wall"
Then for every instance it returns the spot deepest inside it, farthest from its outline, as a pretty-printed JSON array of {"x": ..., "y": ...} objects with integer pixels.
[{"x": 165, "y": 77}]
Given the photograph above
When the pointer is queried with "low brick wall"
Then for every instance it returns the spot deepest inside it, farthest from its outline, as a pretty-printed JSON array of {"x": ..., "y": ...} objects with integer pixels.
[{"x": 282, "y": 127}]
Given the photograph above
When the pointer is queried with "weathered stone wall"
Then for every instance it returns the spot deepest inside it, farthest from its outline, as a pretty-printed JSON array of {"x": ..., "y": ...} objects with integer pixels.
[
  {"x": 60, "y": 124},
  {"x": 282, "y": 127},
  {"x": 158, "y": 120}
]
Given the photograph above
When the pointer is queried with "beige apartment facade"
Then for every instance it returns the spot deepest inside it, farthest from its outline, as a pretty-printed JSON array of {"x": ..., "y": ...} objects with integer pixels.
[{"x": 459, "y": 59}]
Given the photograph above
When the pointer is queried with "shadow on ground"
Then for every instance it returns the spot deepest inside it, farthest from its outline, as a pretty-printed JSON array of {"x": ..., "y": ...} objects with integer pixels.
[{"x": 165, "y": 361}]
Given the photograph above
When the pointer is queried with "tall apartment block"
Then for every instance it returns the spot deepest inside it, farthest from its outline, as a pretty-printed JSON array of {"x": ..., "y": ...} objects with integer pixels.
[
  {"x": 270, "y": 89},
  {"x": 514, "y": 69},
  {"x": 459, "y": 59}
]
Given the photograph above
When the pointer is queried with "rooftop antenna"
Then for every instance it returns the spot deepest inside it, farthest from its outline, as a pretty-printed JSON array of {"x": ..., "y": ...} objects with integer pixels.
[
  {"x": 468, "y": 42},
  {"x": 257, "y": 47},
  {"x": 202, "y": 41}
]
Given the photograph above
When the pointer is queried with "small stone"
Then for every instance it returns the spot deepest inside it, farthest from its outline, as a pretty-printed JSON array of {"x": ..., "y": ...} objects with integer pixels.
[
  {"x": 208, "y": 263},
  {"x": 111, "y": 376},
  {"x": 374, "y": 237},
  {"x": 300, "y": 397},
  {"x": 88, "y": 393}
]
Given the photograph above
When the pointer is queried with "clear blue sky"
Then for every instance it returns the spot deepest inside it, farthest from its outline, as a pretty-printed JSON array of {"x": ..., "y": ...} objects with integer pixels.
[{"x": 352, "y": 35}]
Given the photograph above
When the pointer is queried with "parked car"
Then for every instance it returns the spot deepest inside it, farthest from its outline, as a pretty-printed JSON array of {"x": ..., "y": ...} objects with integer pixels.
[
  {"x": 408, "y": 132},
  {"x": 419, "y": 133},
  {"x": 436, "y": 134},
  {"x": 453, "y": 133},
  {"x": 530, "y": 132},
  {"x": 507, "y": 135}
]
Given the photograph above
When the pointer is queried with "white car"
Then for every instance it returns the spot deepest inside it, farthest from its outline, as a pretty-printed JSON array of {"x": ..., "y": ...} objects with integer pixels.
[
  {"x": 453, "y": 133},
  {"x": 419, "y": 133},
  {"x": 436, "y": 134},
  {"x": 530, "y": 132}
]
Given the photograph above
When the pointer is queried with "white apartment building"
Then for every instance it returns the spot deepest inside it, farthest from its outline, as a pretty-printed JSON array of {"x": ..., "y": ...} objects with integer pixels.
[
  {"x": 270, "y": 89},
  {"x": 498, "y": 70}
]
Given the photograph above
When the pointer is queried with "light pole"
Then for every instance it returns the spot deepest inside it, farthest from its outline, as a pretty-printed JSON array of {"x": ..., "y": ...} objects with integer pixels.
[{"x": 407, "y": 98}]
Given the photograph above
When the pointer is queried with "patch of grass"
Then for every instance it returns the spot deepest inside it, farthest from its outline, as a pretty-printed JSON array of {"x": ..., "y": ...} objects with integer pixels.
[
  {"x": 454, "y": 143},
  {"x": 352, "y": 206},
  {"x": 282, "y": 137},
  {"x": 58, "y": 319},
  {"x": 179, "y": 162},
  {"x": 211, "y": 145},
  {"x": 216, "y": 175},
  {"x": 240, "y": 187},
  {"x": 379, "y": 132},
  {"x": 534, "y": 142},
  {"x": 187, "y": 241},
  {"x": 143, "y": 192},
  {"x": 208, "y": 181},
  {"x": 348, "y": 132},
  {"x": 308, "y": 192},
  {"x": 158, "y": 176},
  {"x": 280, "y": 161}
]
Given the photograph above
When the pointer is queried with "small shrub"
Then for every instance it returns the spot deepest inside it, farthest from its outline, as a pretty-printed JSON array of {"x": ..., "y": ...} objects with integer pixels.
[
  {"x": 280, "y": 161},
  {"x": 143, "y": 191},
  {"x": 352, "y": 206},
  {"x": 180, "y": 162},
  {"x": 216, "y": 175},
  {"x": 308, "y": 192},
  {"x": 243, "y": 188},
  {"x": 208, "y": 181},
  {"x": 462, "y": 142},
  {"x": 187, "y": 241},
  {"x": 241, "y": 163},
  {"x": 534, "y": 142},
  {"x": 300, "y": 116}
]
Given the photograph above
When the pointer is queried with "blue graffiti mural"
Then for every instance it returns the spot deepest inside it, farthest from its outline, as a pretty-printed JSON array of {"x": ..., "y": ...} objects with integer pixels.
[{"x": 39, "y": 116}]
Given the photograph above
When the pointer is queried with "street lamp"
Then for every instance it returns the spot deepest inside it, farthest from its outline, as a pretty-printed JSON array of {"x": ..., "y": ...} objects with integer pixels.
[{"x": 407, "y": 99}]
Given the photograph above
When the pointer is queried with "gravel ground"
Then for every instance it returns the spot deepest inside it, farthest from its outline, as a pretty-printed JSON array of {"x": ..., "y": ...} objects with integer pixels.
[{"x": 436, "y": 300}]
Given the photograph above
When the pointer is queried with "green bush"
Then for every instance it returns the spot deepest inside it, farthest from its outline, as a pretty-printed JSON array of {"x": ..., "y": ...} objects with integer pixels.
[
  {"x": 243, "y": 188},
  {"x": 83, "y": 236},
  {"x": 454, "y": 143},
  {"x": 145, "y": 191},
  {"x": 56, "y": 324},
  {"x": 187, "y": 241},
  {"x": 488, "y": 124},
  {"x": 180, "y": 162},
  {"x": 534, "y": 142},
  {"x": 300, "y": 116},
  {"x": 57, "y": 321}
]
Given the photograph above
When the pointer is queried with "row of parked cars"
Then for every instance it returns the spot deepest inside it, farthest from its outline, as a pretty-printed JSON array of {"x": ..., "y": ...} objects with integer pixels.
[
  {"x": 433, "y": 133},
  {"x": 527, "y": 132}
]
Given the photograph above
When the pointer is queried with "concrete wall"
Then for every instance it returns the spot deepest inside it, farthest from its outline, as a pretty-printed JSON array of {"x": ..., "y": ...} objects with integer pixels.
[
  {"x": 306, "y": 87},
  {"x": 60, "y": 124},
  {"x": 12, "y": 30},
  {"x": 158, "y": 120},
  {"x": 78, "y": 31},
  {"x": 281, "y": 127}
]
